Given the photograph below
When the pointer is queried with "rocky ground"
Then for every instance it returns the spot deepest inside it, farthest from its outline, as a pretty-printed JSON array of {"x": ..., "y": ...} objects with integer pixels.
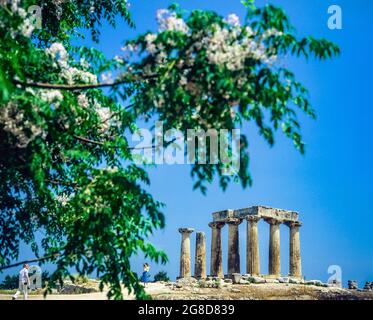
[
  {"x": 254, "y": 291},
  {"x": 244, "y": 288}
]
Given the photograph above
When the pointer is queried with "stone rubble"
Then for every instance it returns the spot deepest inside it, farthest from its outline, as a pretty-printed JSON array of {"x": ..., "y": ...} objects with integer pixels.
[
  {"x": 368, "y": 286},
  {"x": 272, "y": 281},
  {"x": 295, "y": 281},
  {"x": 352, "y": 285},
  {"x": 236, "y": 278},
  {"x": 283, "y": 280},
  {"x": 246, "y": 279},
  {"x": 73, "y": 288},
  {"x": 335, "y": 283},
  {"x": 253, "y": 279},
  {"x": 237, "y": 283}
]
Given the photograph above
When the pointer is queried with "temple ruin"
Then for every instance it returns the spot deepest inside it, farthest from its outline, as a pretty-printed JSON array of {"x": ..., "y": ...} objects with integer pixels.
[{"x": 233, "y": 218}]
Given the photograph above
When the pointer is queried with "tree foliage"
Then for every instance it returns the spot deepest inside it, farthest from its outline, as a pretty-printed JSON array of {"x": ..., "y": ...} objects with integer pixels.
[
  {"x": 66, "y": 167},
  {"x": 10, "y": 282},
  {"x": 161, "y": 276}
]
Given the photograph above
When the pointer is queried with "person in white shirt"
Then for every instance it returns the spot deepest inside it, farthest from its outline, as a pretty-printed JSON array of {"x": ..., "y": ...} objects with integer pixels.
[{"x": 24, "y": 283}]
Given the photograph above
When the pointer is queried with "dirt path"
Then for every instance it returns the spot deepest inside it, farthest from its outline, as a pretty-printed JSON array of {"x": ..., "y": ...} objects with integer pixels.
[
  {"x": 88, "y": 296},
  {"x": 161, "y": 291}
]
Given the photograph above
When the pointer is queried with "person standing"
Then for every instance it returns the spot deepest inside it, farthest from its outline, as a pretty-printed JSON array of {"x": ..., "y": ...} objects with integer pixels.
[
  {"x": 24, "y": 283},
  {"x": 145, "y": 275}
]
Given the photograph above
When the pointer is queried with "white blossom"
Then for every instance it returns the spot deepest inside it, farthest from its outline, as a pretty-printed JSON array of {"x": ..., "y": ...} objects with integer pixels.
[
  {"x": 14, "y": 122},
  {"x": 161, "y": 13},
  {"x": 51, "y": 96},
  {"x": 150, "y": 46},
  {"x": 225, "y": 47},
  {"x": 83, "y": 100},
  {"x": 63, "y": 199},
  {"x": 183, "y": 81},
  {"x": 14, "y": 7},
  {"x": 118, "y": 59},
  {"x": 130, "y": 47},
  {"x": 271, "y": 59},
  {"x": 271, "y": 32},
  {"x": 27, "y": 28},
  {"x": 21, "y": 12},
  {"x": 168, "y": 21},
  {"x": 222, "y": 51},
  {"x": 69, "y": 73},
  {"x": 84, "y": 63},
  {"x": 104, "y": 114},
  {"x": 161, "y": 57},
  {"x": 107, "y": 77},
  {"x": 72, "y": 74},
  {"x": 58, "y": 52},
  {"x": 233, "y": 20},
  {"x": 114, "y": 169},
  {"x": 249, "y": 31}
]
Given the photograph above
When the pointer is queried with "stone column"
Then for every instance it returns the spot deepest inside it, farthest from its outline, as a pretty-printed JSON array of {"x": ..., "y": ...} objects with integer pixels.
[
  {"x": 233, "y": 246},
  {"x": 185, "y": 252},
  {"x": 252, "y": 249},
  {"x": 295, "y": 264},
  {"x": 216, "y": 266},
  {"x": 200, "y": 261},
  {"x": 274, "y": 247}
]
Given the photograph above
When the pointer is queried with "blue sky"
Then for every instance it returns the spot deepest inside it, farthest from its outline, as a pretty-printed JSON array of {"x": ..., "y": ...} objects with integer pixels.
[{"x": 331, "y": 186}]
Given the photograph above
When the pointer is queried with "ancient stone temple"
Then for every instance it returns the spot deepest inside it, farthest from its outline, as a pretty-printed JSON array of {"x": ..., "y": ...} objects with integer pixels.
[{"x": 232, "y": 219}]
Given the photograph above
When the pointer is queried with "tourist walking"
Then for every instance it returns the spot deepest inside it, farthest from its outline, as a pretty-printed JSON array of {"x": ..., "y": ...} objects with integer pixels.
[
  {"x": 24, "y": 283},
  {"x": 145, "y": 275}
]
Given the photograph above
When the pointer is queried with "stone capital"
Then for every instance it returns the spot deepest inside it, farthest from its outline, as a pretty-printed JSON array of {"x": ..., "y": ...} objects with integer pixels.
[
  {"x": 253, "y": 219},
  {"x": 216, "y": 225},
  {"x": 273, "y": 221},
  {"x": 292, "y": 224},
  {"x": 186, "y": 230},
  {"x": 233, "y": 221}
]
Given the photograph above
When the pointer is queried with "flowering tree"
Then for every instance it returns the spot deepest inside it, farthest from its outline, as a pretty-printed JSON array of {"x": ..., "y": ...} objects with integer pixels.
[{"x": 66, "y": 167}]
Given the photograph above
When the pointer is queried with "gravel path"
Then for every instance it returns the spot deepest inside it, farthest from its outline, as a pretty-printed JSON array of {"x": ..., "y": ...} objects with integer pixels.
[{"x": 233, "y": 292}]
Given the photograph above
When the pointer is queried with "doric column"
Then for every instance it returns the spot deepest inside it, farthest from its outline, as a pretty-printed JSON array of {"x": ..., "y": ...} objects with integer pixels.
[
  {"x": 185, "y": 252},
  {"x": 274, "y": 247},
  {"x": 200, "y": 261},
  {"x": 295, "y": 264},
  {"x": 252, "y": 249},
  {"x": 216, "y": 266},
  {"x": 233, "y": 246}
]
